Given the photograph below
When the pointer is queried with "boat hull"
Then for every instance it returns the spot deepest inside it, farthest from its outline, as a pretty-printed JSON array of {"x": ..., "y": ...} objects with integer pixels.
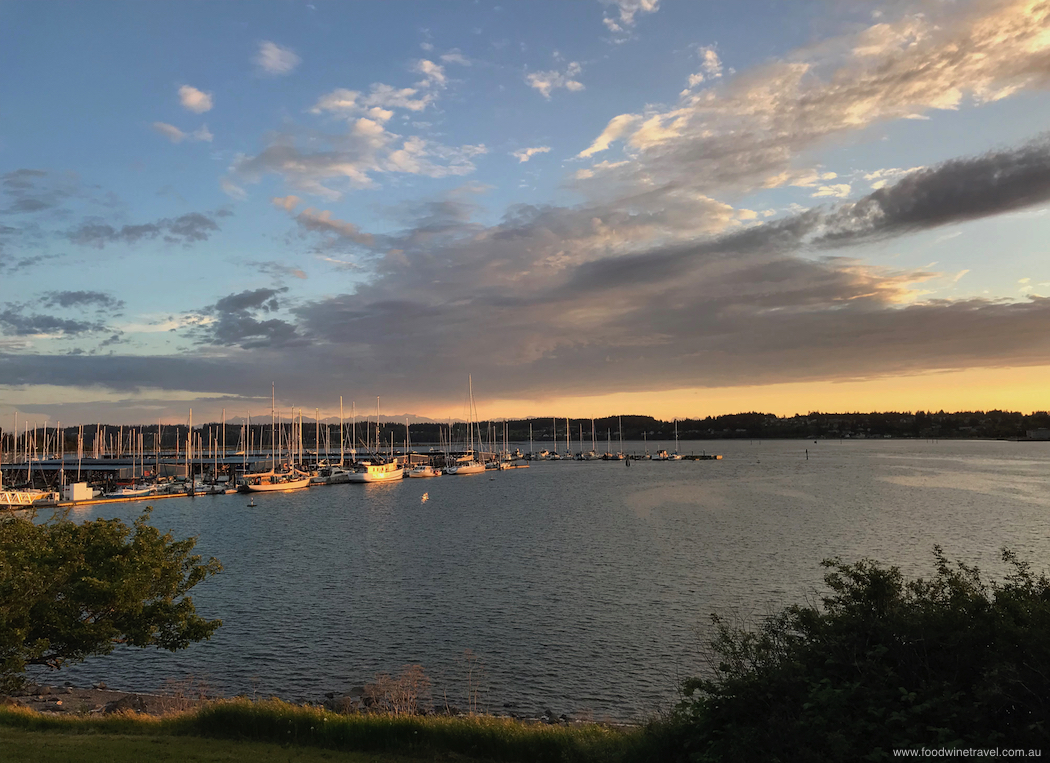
[
  {"x": 276, "y": 487},
  {"x": 390, "y": 476},
  {"x": 464, "y": 469}
]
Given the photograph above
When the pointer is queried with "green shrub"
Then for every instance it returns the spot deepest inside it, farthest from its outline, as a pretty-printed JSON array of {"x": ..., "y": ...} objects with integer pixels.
[
  {"x": 69, "y": 591},
  {"x": 884, "y": 663}
]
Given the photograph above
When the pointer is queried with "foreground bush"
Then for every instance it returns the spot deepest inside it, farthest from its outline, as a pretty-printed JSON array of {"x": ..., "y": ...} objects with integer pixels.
[{"x": 884, "y": 663}]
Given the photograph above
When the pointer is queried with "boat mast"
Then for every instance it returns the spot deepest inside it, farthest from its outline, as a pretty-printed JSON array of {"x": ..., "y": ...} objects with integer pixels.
[
  {"x": 341, "y": 434},
  {"x": 470, "y": 405},
  {"x": 273, "y": 429},
  {"x": 189, "y": 452}
]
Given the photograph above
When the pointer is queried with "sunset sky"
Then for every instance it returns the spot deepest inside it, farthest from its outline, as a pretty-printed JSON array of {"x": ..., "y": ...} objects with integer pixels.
[{"x": 619, "y": 206}]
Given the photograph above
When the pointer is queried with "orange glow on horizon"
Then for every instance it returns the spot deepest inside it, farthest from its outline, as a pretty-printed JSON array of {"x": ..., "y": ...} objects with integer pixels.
[{"x": 1013, "y": 389}]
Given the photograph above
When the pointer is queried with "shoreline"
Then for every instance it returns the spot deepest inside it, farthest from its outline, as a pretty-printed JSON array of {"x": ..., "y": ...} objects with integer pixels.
[{"x": 70, "y": 700}]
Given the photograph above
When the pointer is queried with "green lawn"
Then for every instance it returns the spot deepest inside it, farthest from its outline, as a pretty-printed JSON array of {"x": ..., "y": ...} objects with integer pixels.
[{"x": 63, "y": 747}]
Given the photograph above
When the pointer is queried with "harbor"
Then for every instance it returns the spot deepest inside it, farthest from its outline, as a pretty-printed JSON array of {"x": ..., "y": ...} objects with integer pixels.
[{"x": 65, "y": 467}]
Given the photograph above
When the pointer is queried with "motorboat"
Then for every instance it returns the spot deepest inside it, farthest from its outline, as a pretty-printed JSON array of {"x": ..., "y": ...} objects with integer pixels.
[
  {"x": 380, "y": 471},
  {"x": 426, "y": 470}
]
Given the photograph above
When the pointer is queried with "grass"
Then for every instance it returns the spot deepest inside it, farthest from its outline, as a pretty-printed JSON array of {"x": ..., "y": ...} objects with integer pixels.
[
  {"x": 233, "y": 729},
  {"x": 48, "y": 747}
]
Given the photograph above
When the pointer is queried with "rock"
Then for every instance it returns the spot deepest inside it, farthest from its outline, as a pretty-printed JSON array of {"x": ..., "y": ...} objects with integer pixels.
[
  {"x": 100, "y": 685},
  {"x": 129, "y": 702},
  {"x": 343, "y": 704}
]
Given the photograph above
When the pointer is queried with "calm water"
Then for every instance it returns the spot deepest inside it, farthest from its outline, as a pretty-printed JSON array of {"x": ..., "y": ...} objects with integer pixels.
[{"x": 578, "y": 586}]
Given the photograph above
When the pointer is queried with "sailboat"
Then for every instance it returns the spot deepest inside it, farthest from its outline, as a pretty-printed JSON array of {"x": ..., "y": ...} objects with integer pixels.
[
  {"x": 377, "y": 468},
  {"x": 469, "y": 464},
  {"x": 674, "y": 456},
  {"x": 274, "y": 481}
]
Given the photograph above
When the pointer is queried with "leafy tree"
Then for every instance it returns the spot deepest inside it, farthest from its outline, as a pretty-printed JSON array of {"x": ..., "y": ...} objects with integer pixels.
[
  {"x": 884, "y": 663},
  {"x": 69, "y": 591}
]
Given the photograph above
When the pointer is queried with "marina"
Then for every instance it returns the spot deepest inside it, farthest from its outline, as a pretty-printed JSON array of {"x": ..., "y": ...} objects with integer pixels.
[{"x": 579, "y": 585}]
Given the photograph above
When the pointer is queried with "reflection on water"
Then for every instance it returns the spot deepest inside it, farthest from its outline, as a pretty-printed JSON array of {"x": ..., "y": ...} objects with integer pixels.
[{"x": 578, "y": 585}]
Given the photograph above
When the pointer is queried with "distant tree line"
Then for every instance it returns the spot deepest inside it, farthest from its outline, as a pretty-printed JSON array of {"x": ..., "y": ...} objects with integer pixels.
[{"x": 993, "y": 424}]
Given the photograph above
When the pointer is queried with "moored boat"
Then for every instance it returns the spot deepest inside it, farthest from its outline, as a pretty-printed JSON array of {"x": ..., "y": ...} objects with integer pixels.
[
  {"x": 377, "y": 472},
  {"x": 426, "y": 470}
]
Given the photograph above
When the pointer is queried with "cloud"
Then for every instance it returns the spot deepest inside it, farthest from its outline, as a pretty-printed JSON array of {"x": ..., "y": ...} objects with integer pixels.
[
  {"x": 322, "y": 222},
  {"x": 185, "y": 229},
  {"x": 34, "y": 191},
  {"x": 352, "y": 158},
  {"x": 288, "y": 203},
  {"x": 15, "y": 322},
  {"x": 278, "y": 270},
  {"x": 195, "y": 100},
  {"x": 951, "y": 192},
  {"x": 524, "y": 154},
  {"x": 454, "y": 56},
  {"x": 837, "y": 191},
  {"x": 710, "y": 67},
  {"x": 175, "y": 135},
  {"x": 82, "y": 299},
  {"x": 544, "y": 82},
  {"x": 627, "y": 10},
  {"x": 276, "y": 60},
  {"x": 433, "y": 74},
  {"x": 749, "y": 130},
  {"x": 239, "y": 320}
]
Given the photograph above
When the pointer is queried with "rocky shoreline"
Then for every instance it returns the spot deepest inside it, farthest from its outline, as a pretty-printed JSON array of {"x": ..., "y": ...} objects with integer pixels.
[
  {"x": 101, "y": 700},
  {"x": 98, "y": 700}
]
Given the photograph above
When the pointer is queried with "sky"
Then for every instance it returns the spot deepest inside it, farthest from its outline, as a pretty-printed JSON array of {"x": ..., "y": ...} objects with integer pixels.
[{"x": 654, "y": 207}]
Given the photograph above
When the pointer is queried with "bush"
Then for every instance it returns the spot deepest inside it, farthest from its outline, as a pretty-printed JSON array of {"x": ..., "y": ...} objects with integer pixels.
[
  {"x": 884, "y": 663},
  {"x": 68, "y": 591}
]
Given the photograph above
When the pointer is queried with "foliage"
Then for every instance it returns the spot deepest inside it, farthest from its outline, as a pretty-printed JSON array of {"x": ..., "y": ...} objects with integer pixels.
[
  {"x": 69, "y": 591},
  {"x": 430, "y": 737},
  {"x": 885, "y": 663},
  {"x": 408, "y": 693}
]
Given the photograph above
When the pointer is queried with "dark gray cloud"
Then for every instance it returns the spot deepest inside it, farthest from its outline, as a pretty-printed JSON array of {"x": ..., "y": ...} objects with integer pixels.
[
  {"x": 82, "y": 299},
  {"x": 185, "y": 229},
  {"x": 30, "y": 191},
  {"x": 952, "y": 192},
  {"x": 10, "y": 264},
  {"x": 15, "y": 322},
  {"x": 235, "y": 322},
  {"x": 253, "y": 299}
]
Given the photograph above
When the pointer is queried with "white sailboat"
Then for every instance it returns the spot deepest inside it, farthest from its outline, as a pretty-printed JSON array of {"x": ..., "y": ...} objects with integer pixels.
[
  {"x": 274, "y": 481},
  {"x": 674, "y": 456},
  {"x": 469, "y": 464}
]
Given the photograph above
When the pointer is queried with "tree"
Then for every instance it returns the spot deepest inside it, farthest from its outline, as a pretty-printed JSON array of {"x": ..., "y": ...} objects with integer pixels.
[
  {"x": 884, "y": 663},
  {"x": 69, "y": 591}
]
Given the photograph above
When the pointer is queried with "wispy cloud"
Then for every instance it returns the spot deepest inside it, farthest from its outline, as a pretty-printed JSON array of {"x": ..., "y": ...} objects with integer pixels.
[
  {"x": 524, "y": 154},
  {"x": 750, "y": 129},
  {"x": 175, "y": 135},
  {"x": 273, "y": 59},
  {"x": 626, "y": 10},
  {"x": 547, "y": 81}
]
